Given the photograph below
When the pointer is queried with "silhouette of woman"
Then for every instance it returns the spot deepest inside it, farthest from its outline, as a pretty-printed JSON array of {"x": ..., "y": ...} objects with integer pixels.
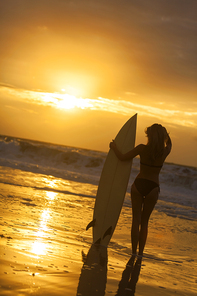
[{"x": 145, "y": 189}]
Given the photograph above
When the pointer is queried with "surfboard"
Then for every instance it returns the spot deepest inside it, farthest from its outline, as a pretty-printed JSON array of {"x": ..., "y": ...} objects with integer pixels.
[{"x": 112, "y": 186}]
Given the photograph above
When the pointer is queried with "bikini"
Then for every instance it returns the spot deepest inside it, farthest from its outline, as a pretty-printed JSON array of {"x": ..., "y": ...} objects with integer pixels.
[{"x": 145, "y": 186}]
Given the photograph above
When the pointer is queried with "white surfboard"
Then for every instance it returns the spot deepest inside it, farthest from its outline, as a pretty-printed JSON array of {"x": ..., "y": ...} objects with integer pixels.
[{"x": 112, "y": 186}]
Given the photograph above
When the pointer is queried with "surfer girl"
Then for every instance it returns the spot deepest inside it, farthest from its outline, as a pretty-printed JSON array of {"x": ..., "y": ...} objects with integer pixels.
[{"x": 145, "y": 189}]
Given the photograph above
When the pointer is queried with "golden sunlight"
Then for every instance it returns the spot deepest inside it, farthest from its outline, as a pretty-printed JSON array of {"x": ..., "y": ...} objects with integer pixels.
[
  {"x": 51, "y": 195},
  {"x": 39, "y": 248},
  {"x": 65, "y": 101}
]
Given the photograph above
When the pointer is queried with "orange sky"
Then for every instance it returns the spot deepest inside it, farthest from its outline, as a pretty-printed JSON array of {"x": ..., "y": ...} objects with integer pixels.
[{"x": 111, "y": 59}]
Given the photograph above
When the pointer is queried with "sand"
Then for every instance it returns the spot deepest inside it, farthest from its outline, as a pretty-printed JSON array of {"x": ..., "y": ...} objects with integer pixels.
[{"x": 45, "y": 250}]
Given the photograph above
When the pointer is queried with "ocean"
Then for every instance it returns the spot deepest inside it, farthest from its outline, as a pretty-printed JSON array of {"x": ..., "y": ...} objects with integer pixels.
[
  {"x": 178, "y": 197},
  {"x": 47, "y": 199}
]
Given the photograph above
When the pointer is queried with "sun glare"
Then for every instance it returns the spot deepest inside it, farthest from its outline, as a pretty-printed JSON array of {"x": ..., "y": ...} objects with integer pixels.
[
  {"x": 51, "y": 195},
  {"x": 65, "y": 101},
  {"x": 39, "y": 248}
]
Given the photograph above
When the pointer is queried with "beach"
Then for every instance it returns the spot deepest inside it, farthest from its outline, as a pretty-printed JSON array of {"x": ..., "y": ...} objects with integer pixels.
[{"x": 47, "y": 199}]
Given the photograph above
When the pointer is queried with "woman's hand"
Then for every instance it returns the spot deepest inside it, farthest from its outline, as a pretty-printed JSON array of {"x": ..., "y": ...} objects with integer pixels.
[{"x": 112, "y": 145}]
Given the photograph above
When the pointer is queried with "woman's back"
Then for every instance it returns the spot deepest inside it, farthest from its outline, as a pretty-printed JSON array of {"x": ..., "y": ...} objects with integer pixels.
[{"x": 150, "y": 169}]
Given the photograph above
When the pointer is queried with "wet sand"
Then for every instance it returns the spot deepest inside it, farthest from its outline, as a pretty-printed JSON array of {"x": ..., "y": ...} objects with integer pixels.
[{"x": 45, "y": 250}]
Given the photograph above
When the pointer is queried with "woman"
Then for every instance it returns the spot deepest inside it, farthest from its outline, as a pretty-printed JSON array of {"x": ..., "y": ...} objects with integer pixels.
[{"x": 145, "y": 189}]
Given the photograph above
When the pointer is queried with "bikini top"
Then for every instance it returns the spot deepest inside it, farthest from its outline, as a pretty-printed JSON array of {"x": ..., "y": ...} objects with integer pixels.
[{"x": 150, "y": 165}]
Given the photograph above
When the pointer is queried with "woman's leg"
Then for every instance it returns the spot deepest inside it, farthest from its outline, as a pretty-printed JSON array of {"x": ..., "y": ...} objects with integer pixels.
[
  {"x": 137, "y": 201},
  {"x": 149, "y": 204}
]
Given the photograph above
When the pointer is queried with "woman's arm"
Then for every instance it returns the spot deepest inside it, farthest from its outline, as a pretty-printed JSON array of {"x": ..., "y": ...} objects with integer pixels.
[{"x": 127, "y": 156}]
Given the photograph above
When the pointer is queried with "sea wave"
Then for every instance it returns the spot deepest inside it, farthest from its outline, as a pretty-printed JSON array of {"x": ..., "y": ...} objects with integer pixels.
[
  {"x": 50, "y": 159},
  {"x": 56, "y": 154},
  {"x": 79, "y": 164}
]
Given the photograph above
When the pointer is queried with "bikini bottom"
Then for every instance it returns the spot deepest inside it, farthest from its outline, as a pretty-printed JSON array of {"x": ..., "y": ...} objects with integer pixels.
[{"x": 145, "y": 186}]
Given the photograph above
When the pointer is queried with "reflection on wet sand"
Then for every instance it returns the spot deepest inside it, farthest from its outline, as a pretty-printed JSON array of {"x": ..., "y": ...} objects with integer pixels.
[
  {"x": 93, "y": 276},
  {"x": 130, "y": 277},
  {"x": 39, "y": 246}
]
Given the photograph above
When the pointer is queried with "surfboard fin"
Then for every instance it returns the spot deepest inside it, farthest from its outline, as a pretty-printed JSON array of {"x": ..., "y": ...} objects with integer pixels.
[
  {"x": 107, "y": 232},
  {"x": 91, "y": 224}
]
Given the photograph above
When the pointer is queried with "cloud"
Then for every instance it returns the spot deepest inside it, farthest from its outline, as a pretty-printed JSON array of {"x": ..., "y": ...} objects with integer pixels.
[
  {"x": 12, "y": 107},
  {"x": 172, "y": 116}
]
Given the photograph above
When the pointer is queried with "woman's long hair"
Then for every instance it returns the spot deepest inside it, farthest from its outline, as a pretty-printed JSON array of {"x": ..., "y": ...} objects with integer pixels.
[{"x": 157, "y": 136}]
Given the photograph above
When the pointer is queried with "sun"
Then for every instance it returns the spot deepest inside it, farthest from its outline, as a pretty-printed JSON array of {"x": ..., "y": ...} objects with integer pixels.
[{"x": 66, "y": 101}]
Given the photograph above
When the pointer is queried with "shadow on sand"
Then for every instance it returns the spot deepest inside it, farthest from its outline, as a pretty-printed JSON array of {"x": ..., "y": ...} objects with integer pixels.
[
  {"x": 93, "y": 278},
  {"x": 130, "y": 277}
]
